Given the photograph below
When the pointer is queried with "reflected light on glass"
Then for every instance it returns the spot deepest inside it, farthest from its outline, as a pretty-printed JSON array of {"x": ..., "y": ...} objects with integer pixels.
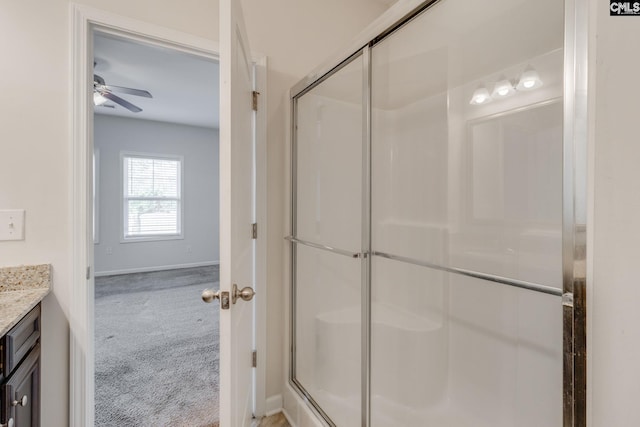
[
  {"x": 529, "y": 80},
  {"x": 98, "y": 99},
  {"x": 503, "y": 89},
  {"x": 480, "y": 96}
]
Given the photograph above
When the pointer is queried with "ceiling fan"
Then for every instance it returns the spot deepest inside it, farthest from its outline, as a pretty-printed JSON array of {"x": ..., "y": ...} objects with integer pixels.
[{"x": 103, "y": 93}]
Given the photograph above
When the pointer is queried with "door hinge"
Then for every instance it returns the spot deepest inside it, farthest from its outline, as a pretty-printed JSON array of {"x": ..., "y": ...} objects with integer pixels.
[
  {"x": 88, "y": 273},
  {"x": 254, "y": 230},
  {"x": 254, "y": 359},
  {"x": 254, "y": 102}
]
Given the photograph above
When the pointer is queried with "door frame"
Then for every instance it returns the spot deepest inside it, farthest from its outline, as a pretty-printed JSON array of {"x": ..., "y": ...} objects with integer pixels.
[{"x": 83, "y": 22}]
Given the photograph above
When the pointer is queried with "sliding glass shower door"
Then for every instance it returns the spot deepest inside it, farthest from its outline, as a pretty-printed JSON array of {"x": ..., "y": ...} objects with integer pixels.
[
  {"x": 466, "y": 212},
  {"x": 328, "y": 231},
  {"x": 427, "y": 223}
]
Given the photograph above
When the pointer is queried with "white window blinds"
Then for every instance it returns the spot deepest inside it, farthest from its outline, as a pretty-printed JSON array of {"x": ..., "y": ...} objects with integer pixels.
[{"x": 152, "y": 199}]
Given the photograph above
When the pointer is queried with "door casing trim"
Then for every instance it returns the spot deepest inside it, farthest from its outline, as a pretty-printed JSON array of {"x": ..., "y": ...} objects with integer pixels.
[{"x": 83, "y": 22}]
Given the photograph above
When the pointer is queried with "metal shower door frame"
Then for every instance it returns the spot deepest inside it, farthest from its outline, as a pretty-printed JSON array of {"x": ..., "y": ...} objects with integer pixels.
[
  {"x": 365, "y": 246},
  {"x": 574, "y": 222},
  {"x": 574, "y": 214}
]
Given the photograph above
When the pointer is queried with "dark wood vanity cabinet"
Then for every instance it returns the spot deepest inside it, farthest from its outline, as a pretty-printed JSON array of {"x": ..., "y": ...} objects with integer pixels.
[{"x": 20, "y": 373}]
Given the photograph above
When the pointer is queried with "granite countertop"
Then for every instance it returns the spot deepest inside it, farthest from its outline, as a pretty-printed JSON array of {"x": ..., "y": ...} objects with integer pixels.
[{"x": 21, "y": 289}]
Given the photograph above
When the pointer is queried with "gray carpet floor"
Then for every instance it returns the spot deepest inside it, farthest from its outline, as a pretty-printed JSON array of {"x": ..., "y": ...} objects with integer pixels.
[{"x": 157, "y": 348}]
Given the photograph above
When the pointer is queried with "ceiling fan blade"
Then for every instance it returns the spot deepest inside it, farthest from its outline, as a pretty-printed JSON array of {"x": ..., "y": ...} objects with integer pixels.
[
  {"x": 126, "y": 104},
  {"x": 129, "y": 91}
]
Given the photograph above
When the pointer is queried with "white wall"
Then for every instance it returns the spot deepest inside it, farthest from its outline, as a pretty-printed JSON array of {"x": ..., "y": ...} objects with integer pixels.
[
  {"x": 35, "y": 162},
  {"x": 614, "y": 319},
  {"x": 199, "y": 148}
]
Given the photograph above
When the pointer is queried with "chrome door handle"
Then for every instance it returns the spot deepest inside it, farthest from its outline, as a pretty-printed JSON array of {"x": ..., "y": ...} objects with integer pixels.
[
  {"x": 9, "y": 423},
  {"x": 21, "y": 402},
  {"x": 246, "y": 293},
  {"x": 208, "y": 295}
]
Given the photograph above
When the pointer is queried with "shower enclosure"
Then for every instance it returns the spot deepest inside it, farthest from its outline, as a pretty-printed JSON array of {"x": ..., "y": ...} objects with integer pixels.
[{"x": 433, "y": 236}]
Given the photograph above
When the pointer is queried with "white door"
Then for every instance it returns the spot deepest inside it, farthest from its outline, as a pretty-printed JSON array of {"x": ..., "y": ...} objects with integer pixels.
[{"x": 237, "y": 195}]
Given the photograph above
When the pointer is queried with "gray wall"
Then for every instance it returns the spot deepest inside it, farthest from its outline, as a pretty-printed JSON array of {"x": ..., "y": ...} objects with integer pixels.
[{"x": 199, "y": 148}]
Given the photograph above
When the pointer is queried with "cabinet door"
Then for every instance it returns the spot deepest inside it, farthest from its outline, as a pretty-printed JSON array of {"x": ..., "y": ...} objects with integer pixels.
[
  {"x": 21, "y": 393},
  {"x": 20, "y": 339}
]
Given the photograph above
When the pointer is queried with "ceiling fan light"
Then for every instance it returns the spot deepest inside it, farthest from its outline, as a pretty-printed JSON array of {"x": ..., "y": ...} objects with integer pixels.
[
  {"x": 529, "y": 80},
  {"x": 98, "y": 99},
  {"x": 480, "y": 96}
]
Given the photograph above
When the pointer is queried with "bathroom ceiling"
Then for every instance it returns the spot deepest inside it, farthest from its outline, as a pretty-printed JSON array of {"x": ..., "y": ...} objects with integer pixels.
[{"x": 185, "y": 87}]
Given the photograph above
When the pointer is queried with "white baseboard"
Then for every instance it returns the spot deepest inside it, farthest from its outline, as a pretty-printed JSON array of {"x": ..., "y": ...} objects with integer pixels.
[
  {"x": 158, "y": 268},
  {"x": 273, "y": 405},
  {"x": 288, "y": 417}
]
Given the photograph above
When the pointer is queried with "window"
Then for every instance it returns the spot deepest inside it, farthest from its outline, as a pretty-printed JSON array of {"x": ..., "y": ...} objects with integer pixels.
[{"x": 152, "y": 204}]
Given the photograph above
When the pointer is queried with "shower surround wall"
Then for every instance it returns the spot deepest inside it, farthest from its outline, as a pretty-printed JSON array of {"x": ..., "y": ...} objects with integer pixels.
[{"x": 455, "y": 187}]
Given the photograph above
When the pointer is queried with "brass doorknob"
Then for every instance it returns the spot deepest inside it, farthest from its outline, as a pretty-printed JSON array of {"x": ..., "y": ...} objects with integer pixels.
[
  {"x": 208, "y": 295},
  {"x": 246, "y": 293}
]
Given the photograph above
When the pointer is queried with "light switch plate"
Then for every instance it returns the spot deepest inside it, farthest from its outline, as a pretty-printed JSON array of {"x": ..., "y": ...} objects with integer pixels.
[{"x": 12, "y": 224}]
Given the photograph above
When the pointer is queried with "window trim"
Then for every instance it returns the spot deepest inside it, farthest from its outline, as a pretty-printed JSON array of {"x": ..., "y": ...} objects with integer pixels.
[{"x": 123, "y": 222}]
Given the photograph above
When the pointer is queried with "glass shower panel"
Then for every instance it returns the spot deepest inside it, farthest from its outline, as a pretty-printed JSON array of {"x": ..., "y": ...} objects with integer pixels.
[
  {"x": 450, "y": 350},
  {"x": 328, "y": 331},
  {"x": 467, "y": 138},
  {"x": 329, "y": 160},
  {"x": 409, "y": 342},
  {"x": 467, "y": 177},
  {"x": 328, "y": 156}
]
